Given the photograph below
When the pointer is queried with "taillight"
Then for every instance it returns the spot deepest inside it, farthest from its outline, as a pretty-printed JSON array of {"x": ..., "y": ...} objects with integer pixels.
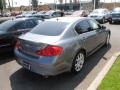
[
  {"x": 17, "y": 44},
  {"x": 50, "y": 50}
]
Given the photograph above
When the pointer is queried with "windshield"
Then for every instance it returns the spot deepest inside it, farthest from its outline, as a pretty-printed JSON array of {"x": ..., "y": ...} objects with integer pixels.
[
  {"x": 49, "y": 12},
  {"x": 50, "y": 28},
  {"x": 116, "y": 10},
  {"x": 98, "y": 12},
  {"x": 6, "y": 25}
]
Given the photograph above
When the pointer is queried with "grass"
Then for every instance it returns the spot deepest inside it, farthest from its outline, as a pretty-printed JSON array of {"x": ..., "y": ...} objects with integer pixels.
[{"x": 112, "y": 79}]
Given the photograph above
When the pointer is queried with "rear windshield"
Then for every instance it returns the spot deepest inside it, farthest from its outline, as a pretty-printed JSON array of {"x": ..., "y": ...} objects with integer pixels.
[{"x": 50, "y": 28}]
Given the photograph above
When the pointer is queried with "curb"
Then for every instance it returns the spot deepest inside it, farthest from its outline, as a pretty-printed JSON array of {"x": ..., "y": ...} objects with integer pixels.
[{"x": 96, "y": 82}]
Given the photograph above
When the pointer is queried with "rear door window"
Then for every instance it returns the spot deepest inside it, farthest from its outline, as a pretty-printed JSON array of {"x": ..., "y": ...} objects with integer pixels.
[
  {"x": 29, "y": 24},
  {"x": 20, "y": 25},
  {"x": 17, "y": 26}
]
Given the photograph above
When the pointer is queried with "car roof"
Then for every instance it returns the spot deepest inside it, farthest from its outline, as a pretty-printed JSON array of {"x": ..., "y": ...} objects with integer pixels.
[
  {"x": 67, "y": 19},
  {"x": 21, "y": 19}
]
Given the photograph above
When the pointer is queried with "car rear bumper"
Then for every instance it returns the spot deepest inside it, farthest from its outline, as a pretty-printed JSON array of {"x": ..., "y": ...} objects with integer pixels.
[{"x": 46, "y": 66}]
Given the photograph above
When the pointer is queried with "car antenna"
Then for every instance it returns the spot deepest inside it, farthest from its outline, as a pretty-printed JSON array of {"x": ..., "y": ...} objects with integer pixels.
[
  {"x": 12, "y": 18},
  {"x": 57, "y": 19}
]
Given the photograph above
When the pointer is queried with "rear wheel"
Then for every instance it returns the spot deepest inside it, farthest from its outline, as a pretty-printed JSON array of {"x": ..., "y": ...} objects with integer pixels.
[{"x": 78, "y": 62}]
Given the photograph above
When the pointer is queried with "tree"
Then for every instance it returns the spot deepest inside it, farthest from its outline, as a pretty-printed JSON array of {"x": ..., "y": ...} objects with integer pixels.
[
  {"x": 9, "y": 6},
  {"x": 2, "y": 5},
  {"x": 75, "y": 1},
  {"x": 70, "y": 1},
  {"x": 34, "y": 4},
  {"x": 96, "y": 3},
  {"x": 60, "y": 1}
]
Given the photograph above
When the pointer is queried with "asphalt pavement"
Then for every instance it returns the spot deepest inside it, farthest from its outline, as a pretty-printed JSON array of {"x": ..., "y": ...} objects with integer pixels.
[{"x": 14, "y": 77}]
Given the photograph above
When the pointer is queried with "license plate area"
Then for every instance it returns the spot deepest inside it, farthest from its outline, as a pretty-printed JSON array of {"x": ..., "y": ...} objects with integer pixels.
[{"x": 26, "y": 65}]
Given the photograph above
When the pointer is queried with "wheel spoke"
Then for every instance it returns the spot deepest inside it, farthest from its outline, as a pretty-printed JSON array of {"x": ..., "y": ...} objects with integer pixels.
[{"x": 79, "y": 62}]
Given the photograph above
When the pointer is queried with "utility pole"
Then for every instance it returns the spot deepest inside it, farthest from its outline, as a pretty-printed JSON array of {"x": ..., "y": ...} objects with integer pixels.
[
  {"x": 30, "y": 5},
  {"x": 80, "y": 4},
  {"x": 55, "y": 4},
  {"x": 12, "y": 4},
  {"x": 115, "y": 4},
  {"x": 94, "y": 3}
]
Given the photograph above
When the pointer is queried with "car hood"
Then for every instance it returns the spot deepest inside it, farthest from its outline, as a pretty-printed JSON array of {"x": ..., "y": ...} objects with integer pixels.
[
  {"x": 115, "y": 13},
  {"x": 96, "y": 14},
  {"x": 39, "y": 38}
]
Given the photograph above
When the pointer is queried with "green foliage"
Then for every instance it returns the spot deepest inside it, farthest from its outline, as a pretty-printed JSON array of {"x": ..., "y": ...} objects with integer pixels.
[
  {"x": 34, "y": 4},
  {"x": 96, "y": 3},
  {"x": 1, "y": 5},
  {"x": 112, "y": 79}
]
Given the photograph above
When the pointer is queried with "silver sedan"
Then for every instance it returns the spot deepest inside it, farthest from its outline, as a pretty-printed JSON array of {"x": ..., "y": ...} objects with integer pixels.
[{"x": 60, "y": 45}]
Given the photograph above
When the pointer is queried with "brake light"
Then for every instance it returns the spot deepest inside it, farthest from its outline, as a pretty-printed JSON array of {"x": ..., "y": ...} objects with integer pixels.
[
  {"x": 50, "y": 50},
  {"x": 17, "y": 44}
]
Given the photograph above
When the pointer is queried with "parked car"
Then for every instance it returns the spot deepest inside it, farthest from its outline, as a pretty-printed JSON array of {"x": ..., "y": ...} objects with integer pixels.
[
  {"x": 26, "y": 14},
  {"x": 115, "y": 15},
  {"x": 6, "y": 14},
  {"x": 11, "y": 29},
  {"x": 61, "y": 44},
  {"x": 41, "y": 12},
  {"x": 53, "y": 14},
  {"x": 15, "y": 13},
  {"x": 81, "y": 13},
  {"x": 70, "y": 12},
  {"x": 100, "y": 15}
]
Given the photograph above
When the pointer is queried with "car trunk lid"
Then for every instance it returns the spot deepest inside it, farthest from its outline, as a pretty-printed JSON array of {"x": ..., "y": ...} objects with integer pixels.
[{"x": 30, "y": 43}]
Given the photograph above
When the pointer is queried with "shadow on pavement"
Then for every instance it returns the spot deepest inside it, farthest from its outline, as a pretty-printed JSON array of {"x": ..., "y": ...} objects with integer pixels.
[
  {"x": 25, "y": 80},
  {"x": 6, "y": 57},
  {"x": 116, "y": 23}
]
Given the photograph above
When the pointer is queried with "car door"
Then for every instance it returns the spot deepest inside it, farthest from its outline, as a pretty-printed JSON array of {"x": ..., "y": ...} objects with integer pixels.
[
  {"x": 9, "y": 37},
  {"x": 100, "y": 32},
  {"x": 87, "y": 37}
]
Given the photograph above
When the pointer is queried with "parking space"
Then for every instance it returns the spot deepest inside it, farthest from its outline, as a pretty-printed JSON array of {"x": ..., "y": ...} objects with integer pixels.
[{"x": 13, "y": 77}]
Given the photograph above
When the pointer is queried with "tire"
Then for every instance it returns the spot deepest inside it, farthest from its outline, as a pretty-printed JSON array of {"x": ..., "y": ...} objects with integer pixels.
[
  {"x": 107, "y": 40},
  {"x": 111, "y": 22},
  {"x": 103, "y": 20},
  {"x": 78, "y": 62}
]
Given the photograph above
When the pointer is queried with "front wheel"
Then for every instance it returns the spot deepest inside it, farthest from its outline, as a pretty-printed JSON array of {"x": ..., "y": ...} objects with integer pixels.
[
  {"x": 78, "y": 62},
  {"x": 103, "y": 20},
  {"x": 110, "y": 22},
  {"x": 107, "y": 40}
]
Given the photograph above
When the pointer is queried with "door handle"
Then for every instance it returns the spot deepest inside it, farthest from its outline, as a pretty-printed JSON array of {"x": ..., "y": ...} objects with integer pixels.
[{"x": 84, "y": 38}]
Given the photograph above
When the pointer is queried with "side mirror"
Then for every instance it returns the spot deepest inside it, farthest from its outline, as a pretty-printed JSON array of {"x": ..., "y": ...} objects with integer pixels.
[
  {"x": 90, "y": 29},
  {"x": 103, "y": 27}
]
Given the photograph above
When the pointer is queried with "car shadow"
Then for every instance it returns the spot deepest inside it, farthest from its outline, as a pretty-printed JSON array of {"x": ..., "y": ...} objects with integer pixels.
[
  {"x": 116, "y": 23},
  {"x": 6, "y": 57},
  {"x": 26, "y": 80}
]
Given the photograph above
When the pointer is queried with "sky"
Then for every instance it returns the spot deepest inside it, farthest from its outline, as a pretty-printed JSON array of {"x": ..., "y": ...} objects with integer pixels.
[{"x": 17, "y": 3}]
